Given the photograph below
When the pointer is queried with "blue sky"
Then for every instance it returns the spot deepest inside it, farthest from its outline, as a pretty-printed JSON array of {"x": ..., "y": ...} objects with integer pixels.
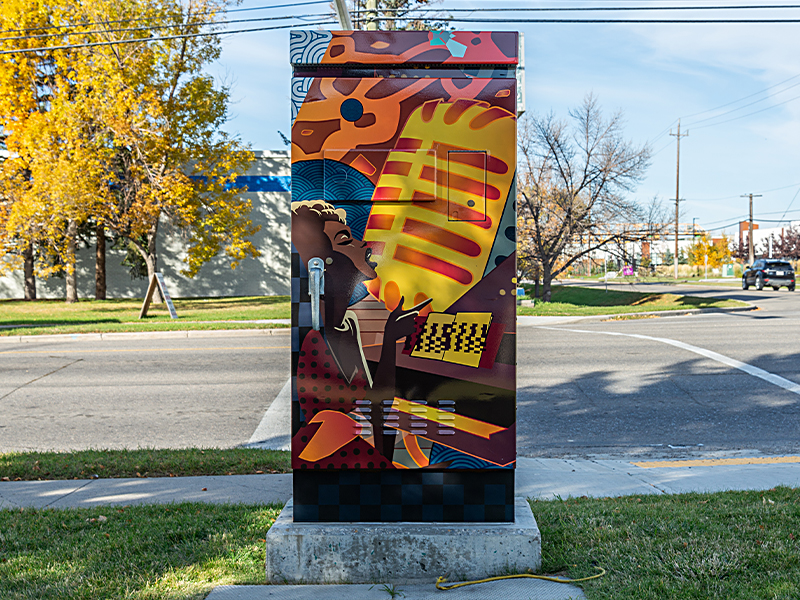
[{"x": 652, "y": 73}]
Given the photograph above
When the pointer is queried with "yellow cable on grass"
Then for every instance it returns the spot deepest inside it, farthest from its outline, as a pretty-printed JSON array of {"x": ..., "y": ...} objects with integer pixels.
[{"x": 441, "y": 580}]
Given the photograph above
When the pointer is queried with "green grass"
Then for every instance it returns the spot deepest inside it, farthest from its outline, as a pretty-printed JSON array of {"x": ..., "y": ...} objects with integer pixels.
[
  {"x": 581, "y": 301},
  {"x": 731, "y": 545},
  {"x": 170, "y": 552},
  {"x": 85, "y": 464},
  {"x": 101, "y": 316}
]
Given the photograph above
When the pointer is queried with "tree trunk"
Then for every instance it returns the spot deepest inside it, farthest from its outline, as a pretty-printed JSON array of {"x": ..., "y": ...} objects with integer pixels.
[
  {"x": 546, "y": 278},
  {"x": 69, "y": 267},
  {"x": 100, "y": 263},
  {"x": 30, "y": 278}
]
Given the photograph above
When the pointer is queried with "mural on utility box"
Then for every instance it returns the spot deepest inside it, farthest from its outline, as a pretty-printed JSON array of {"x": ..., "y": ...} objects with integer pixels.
[{"x": 403, "y": 185}]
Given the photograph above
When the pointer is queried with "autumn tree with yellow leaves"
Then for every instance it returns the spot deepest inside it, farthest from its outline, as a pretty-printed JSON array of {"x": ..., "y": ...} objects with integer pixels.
[
  {"x": 130, "y": 137},
  {"x": 718, "y": 252}
]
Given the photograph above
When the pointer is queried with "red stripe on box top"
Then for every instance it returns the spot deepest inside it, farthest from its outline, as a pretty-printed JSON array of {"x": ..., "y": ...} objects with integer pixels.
[
  {"x": 380, "y": 222},
  {"x": 441, "y": 237},
  {"x": 431, "y": 263},
  {"x": 439, "y": 206}
]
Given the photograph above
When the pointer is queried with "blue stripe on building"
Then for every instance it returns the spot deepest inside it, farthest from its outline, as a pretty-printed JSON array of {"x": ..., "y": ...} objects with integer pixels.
[{"x": 262, "y": 183}]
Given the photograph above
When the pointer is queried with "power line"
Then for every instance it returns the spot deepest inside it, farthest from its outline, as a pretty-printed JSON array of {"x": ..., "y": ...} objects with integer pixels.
[
  {"x": 749, "y": 114},
  {"x": 156, "y": 39},
  {"x": 733, "y": 110},
  {"x": 173, "y": 26},
  {"x": 587, "y": 8},
  {"x": 740, "y": 99},
  {"x": 133, "y": 20}
]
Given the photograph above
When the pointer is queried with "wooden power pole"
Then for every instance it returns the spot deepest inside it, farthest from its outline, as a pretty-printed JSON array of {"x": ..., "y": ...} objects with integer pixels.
[
  {"x": 343, "y": 15},
  {"x": 678, "y": 135},
  {"x": 371, "y": 14},
  {"x": 750, "y": 247}
]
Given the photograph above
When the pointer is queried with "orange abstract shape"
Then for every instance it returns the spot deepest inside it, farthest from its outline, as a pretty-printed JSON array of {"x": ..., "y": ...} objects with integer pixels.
[
  {"x": 412, "y": 445},
  {"x": 379, "y": 45},
  {"x": 503, "y": 94},
  {"x": 336, "y": 430},
  {"x": 382, "y": 99},
  {"x": 363, "y": 165},
  {"x": 374, "y": 287},
  {"x": 391, "y": 295}
]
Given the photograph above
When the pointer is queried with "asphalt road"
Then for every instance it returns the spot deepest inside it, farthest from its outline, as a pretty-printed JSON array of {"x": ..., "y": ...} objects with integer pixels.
[
  {"x": 581, "y": 391},
  {"x": 584, "y": 392},
  {"x": 165, "y": 393}
]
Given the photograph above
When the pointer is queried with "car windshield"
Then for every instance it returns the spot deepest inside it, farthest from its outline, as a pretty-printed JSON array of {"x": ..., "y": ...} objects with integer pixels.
[{"x": 779, "y": 265}]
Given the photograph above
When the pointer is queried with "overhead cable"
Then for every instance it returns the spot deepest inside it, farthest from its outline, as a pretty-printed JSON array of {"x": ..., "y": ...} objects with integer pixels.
[
  {"x": 135, "y": 19},
  {"x": 155, "y": 39},
  {"x": 173, "y": 26}
]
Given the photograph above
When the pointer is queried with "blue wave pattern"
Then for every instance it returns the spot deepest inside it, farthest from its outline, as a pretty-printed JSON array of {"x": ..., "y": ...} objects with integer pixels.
[
  {"x": 308, "y": 47},
  {"x": 305, "y": 47},
  {"x": 258, "y": 183},
  {"x": 460, "y": 460}
]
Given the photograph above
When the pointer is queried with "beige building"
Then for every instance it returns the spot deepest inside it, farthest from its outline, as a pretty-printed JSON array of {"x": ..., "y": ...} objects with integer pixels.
[{"x": 268, "y": 182}]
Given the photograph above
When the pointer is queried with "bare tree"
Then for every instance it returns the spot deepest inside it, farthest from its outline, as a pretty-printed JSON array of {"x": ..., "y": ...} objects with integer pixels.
[
  {"x": 398, "y": 14},
  {"x": 573, "y": 181}
]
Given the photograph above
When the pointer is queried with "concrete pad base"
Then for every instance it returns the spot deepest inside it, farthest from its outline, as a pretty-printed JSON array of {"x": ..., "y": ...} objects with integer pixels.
[{"x": 400, "y": 552}]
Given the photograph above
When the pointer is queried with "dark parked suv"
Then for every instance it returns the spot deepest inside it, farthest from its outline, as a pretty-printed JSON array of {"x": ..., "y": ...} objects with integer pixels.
[{"x": 771, "y": 272}]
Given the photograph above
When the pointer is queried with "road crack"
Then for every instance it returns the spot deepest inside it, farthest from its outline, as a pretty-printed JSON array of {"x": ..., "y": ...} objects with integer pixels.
[{"x": 40, "y": 377}]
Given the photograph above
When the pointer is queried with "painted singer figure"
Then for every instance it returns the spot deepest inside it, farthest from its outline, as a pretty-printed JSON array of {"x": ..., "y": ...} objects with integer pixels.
[{"x": 336, "y": 387}]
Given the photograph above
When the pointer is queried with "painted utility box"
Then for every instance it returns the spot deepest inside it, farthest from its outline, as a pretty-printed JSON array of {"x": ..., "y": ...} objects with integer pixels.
[{"x": 403, "y": 276}]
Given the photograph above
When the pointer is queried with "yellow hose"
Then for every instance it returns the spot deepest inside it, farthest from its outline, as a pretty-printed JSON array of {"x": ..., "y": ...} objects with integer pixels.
[{"x": 441, "y": 580}]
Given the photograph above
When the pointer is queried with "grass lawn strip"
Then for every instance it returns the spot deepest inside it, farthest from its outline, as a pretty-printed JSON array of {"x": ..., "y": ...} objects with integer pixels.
[
  {"x": 580, "y": 301},
  {"x": 143, "y": 552},
  {"x": 732, "y": 545},
  {"x": 101, "y": 316},
  {"x": 106, "y": 316},
  {"x": 89, "y": 464}
]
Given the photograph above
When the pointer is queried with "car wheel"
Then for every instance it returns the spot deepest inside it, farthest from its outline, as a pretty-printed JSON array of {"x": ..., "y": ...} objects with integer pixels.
[
  {"x": 759, "y": 282},
  {"x": 791, "y": 288},
  {"x": 744, "y": 283}
]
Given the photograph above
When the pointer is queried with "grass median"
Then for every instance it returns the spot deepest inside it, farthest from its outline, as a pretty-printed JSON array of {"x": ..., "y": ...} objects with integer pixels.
[
  {"x": 92, "y": 464},
  {"x": 581, "y": 301},
  {"x": 732, "y": 545},
  {"x": 18, "y": 317}
]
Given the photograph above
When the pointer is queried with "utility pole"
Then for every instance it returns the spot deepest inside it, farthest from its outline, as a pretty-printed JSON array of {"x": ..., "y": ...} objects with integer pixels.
[
  {"x": 343, "y": 15},
  {"x": 678, "y": 135},
  {"x": 750, "y": 247},
  {"x": 371, "y": 14}
]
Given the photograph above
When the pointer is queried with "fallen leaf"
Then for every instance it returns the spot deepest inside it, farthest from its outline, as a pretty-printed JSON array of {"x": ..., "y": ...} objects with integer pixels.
[{"x": 204, "y": 490}]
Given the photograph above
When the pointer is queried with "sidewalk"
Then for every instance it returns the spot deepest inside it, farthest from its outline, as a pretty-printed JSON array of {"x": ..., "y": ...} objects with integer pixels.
[{"x": 542, "y": 478}]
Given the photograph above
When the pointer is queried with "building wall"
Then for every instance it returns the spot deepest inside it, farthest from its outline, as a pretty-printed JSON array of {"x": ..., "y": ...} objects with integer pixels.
[{"x": 268, "y": 181}]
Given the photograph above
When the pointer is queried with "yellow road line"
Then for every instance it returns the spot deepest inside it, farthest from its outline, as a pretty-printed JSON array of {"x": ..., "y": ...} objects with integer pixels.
[
  {"x": 60, "y": 351},
  {"x": 717, "y": 462}
]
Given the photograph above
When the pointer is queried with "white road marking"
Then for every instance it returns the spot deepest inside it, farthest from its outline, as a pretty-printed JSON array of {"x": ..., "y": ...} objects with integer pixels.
[
  {"x": 273, "y": 432},
  {"x": 789, "y": 386}
]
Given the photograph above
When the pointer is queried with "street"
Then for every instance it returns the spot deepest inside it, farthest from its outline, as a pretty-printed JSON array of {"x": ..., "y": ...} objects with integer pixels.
[
  {"x": 665, "y": 386},
  {"x": 130, "y": 393}
]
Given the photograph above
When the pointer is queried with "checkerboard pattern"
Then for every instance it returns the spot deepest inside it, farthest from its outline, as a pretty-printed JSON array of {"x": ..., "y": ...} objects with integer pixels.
[{"x": 410, "y": 495}]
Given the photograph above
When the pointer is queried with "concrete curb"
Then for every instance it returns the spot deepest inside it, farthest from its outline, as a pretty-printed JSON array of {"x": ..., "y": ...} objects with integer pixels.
[
  {"x": 140, "y": 335},
  {"x": 528, "y": 320}
]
